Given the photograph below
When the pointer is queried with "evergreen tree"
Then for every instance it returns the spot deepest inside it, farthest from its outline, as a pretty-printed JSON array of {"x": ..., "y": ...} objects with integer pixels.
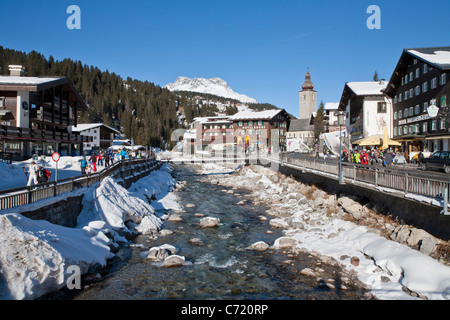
[
  {"x": 319, "y": 121},
  {"x": 375, "y": 76}
]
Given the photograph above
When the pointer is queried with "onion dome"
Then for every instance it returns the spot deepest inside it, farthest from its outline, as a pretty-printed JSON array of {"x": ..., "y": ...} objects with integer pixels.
[{"x": 308, "y": 85}]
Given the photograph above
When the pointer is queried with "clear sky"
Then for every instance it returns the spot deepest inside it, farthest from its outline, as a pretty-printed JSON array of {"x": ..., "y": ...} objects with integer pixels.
[{"x": 261, "y": 48}]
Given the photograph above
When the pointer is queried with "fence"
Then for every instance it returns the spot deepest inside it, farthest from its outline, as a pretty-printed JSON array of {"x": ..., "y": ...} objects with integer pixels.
[
  {"x": 20, "y": 196},
  {"x": 374, "y": 176}
]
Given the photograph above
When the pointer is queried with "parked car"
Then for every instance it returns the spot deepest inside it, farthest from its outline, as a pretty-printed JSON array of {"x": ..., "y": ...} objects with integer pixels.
[{"x": 438, "y": 160}]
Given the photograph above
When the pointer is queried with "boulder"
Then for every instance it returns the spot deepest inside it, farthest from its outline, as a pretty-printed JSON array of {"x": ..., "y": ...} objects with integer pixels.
[
  {"x": 428, "y": 245},
  {"x": 190, "y": 205},
  {"x": 416, "y": 236},
  {"x": 174, "y": 218},
  {"x": 259, "y": 246},
  {"x": 352, "y": 207},
  {"x": 196, "y": 242},
  {"x": 308, "y": 272},
  {"x": 278, "y": 223},
  {"x": 209, "y": 222},
  {"x": 284, "y": 242},
  {"x": 173, "y": 261}
]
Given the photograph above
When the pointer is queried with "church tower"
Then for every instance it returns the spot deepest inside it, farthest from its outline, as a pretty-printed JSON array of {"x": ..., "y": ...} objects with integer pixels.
[{"x": 307, "y": 98}]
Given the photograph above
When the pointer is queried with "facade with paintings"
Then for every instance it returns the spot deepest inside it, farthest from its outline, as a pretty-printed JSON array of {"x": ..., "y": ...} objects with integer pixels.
[
  {"x": 420, "y": 79},
  {"x": 37, "y": 114}
]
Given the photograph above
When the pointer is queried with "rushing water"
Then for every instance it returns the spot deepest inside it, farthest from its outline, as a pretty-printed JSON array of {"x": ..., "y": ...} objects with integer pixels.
[{"x": 223, "y": 267}]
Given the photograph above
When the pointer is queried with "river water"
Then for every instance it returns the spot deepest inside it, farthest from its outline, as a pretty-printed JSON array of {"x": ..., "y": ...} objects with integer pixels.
[{"x": 222, "y": 267}]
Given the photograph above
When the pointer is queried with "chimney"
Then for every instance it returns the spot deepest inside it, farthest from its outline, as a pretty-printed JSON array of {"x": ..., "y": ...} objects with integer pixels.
[
  {"x": 15, "y": 70},
  {"x": 382, "y": 81}
]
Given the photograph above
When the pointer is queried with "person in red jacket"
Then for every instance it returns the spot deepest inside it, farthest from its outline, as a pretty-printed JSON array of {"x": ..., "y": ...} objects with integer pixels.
[{"x": 93, "y": 159}]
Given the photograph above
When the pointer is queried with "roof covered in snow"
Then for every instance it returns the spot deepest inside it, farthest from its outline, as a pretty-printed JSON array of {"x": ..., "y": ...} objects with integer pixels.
[
  {"x": 367, "y": 88},
  {"x": 438, "y": 56},
  {"x": 256, "y": 115},
  {"x": 88, "y": 126}
]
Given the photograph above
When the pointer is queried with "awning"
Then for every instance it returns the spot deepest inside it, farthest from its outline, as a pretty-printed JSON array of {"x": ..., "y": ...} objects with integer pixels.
[
  {"x": 369, "y": 141},
  {"x": 437, "y": 138}
]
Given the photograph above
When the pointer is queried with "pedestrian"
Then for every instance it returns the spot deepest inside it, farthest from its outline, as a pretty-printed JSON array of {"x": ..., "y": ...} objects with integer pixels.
[
  {"x": 388, "y": 158},
  {"x": 93, "y": 159},
  {"x": 83, "y": 165},
  {"x": 32, "y": 174},
  {"x": 100, "y": 158}
]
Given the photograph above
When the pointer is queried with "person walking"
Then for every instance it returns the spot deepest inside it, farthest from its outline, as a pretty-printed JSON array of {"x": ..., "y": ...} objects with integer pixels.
[
  {"x": 83, "y": 165},
  {"x": 93, "y": 159},
  {"x": 32, "y": 174},
  {"x": 100, "y": 158}
]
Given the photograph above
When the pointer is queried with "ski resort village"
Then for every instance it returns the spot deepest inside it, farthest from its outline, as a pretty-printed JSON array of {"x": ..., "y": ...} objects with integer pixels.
[{"x": 113, "y": 188}]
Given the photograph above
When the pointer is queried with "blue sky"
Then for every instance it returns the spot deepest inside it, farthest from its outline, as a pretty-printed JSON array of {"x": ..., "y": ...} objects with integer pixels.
[{"x": 261, "y": 48}]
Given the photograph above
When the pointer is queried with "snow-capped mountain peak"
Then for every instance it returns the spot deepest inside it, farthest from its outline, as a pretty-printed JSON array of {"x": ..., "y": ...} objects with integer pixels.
[{"x": 215, "y": 86}]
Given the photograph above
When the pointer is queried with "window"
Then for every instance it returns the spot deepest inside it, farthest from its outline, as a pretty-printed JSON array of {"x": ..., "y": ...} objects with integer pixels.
[
  {"x": 406, "y": 113},
  {"x": 434, "y": 83},
  {"x": 411, "y": 111},
  {"x": 406, "y": 95},
  {"x": 411, "y": 93},
  {"x": 417, "y": 111},
  {"x": 411, "y": 76},
  {"x": 417, "y": 73},
  {"x": 417, "y": 89},
  {"x": 433, "y": 125},
  {"x": 425, "y": 87},
  {"x": 400, "y": 114},
  {"x": 406, "y": 79},
  {"x": 425, "y": 127},
  {"x": 395, "y": 115},
  {"x": 443, "y": 101},
  {"x": 443, "y": 124},
  {"x": 240, "y": 124},
  {"x": 395, "y": 99},
  {"x": 425, "y": 68},
  {"x": 395, "y": 131},
  {"x": 405, "y": 129},
  {"x": 425, "y": 107},
  {"x": 400, "y": 97},
  {"x": 417, "y": 128},
  {"x": 443, "y": 79},
  {"x": 381, "y": 107},
  {"x": 411, "y": 128}
]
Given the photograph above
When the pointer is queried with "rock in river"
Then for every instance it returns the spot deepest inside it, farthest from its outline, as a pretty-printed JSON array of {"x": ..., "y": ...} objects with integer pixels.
[{"x": 209, "y": 222}]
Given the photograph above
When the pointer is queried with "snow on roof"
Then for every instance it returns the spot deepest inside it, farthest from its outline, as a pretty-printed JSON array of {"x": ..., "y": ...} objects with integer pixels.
[
  {"x": 88, "y": 126},
  {"x": 266, "y": 114},
  {"x": 26, "y": 80},
  {"x": 331, "y": 106},
  {"x": 367, "y": 88},
  {"x": 434, "y": 56}
]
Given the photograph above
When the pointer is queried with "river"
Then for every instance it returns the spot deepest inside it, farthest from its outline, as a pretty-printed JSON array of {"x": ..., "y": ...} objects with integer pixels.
[{"x": 220, "y": 266}]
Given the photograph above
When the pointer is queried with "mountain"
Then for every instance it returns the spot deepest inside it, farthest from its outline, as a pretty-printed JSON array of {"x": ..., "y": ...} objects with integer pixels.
[{"x": 215, "y": 86}]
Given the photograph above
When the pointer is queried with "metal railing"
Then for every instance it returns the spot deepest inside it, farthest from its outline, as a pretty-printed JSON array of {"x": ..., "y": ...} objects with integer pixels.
[
  {"x": 374, "y": 176},
  {"x": 26, "y": 195}
]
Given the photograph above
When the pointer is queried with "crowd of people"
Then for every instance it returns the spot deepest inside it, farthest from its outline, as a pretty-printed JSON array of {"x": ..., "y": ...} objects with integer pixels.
[{"x": 366, "y": 157}]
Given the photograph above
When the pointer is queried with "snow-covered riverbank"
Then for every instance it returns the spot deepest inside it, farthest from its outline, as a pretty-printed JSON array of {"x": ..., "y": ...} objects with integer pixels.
[
  {"x": 36, "y": 256},
  {"x": 319, "y": 223}
]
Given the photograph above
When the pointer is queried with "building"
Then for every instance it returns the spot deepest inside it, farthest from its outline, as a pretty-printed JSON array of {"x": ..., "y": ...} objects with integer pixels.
[
  {"x": 307, "y": 98},
  {"x": 302, "y": 129},
  {"x": 261, "y": 130},
  {"x": 331, "y": 110},
  {"x": 368, "y": 110},
  {"x": 36, "y": 115},
  {"x": 245, "y": 131},
  {"x": 421, "y": 78},
  {"x": 101, "y": 134}
]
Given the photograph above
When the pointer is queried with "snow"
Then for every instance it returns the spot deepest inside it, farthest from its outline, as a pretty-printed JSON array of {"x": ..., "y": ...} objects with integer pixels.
[
  {"x": 402, "y": 265},
  {"x": 25, "y": 80},
  {"x": 257, "y": 115},
  {"x": 365, "y": 88},
  {"x": 215, "y": 86},
  {"x": 35, "y": 255},
  {"x": 438, "y": 57}
]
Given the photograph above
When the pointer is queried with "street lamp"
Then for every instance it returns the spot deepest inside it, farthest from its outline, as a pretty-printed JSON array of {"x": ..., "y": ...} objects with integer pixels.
[{"x": 341, "y": 122}]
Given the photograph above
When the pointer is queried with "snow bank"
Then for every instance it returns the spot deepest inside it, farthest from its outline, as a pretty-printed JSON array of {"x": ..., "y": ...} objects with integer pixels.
[{"x": 35, "y": 255}]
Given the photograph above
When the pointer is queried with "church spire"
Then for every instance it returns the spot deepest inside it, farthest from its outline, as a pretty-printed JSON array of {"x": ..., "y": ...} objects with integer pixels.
[{"x": 308, "y": 85}]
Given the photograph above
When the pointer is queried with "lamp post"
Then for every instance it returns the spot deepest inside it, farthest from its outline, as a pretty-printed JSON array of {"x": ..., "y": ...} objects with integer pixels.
[{"x": 341, "y": 122}]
